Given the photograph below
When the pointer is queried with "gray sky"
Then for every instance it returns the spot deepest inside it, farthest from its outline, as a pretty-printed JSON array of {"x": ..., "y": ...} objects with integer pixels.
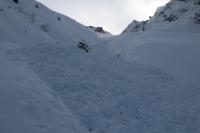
[{"x": 112, "y": 15}]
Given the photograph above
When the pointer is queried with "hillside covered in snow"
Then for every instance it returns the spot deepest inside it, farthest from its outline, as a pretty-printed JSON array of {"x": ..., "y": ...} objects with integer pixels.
[
  {"x": 168, "y": 40},
  {"x": 177, "y": 15},
  {"x": 59, "y": 76}
]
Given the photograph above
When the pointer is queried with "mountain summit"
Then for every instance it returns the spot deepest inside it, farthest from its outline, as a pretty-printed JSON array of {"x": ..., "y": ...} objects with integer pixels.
[{"x": 175, "y": 14}]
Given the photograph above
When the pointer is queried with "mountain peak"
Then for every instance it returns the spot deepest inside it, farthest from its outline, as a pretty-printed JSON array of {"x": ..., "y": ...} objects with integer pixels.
[{"x": 176, "y": 12}]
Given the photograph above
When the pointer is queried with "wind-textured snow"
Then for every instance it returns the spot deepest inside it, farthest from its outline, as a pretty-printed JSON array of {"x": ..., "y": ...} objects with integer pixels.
[
  {"x": 28, "y": 105},
  {"x": 49, "y": 84}
]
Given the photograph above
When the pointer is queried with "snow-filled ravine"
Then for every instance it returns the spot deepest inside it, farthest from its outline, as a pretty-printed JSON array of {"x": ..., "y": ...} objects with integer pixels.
[
  {"x": 58, "y": 76},
  {"x": 104, "y": 93}
]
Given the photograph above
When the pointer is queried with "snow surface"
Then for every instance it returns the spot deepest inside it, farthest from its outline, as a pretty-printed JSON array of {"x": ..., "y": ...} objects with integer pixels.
[
  {"x": 174, "y": 52},
  {"x": 172, "y": 46},
  {"x": 49, "y": 85},
  {"x": 27, "y": 104}
]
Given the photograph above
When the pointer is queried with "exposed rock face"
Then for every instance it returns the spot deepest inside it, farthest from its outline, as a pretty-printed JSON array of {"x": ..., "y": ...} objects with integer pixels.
[
  {"x": 16, "y": 1},
  {"x": 136, "y": 26},
  {"x": 176, "y": 11},
  {"x": 97, "y": 29},
  {"x": 197, "y": 2}
]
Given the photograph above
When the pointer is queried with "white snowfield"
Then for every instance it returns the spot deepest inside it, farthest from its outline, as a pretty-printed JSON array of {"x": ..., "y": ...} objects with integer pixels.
[
  {"x": 176, "y": 53},
  {"x": 28, "y": 105},
  {"x": 170, "y": 43},
  {"x": 57, "y": 76}
]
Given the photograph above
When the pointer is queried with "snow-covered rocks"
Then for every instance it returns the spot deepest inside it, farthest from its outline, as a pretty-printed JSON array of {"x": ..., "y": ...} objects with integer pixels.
[
  {"x": 196, "y": 18},
  {"x": 97, "y": 29},
  {"x": 176, "y": 12},
  {"x": 135, "y": 26}
]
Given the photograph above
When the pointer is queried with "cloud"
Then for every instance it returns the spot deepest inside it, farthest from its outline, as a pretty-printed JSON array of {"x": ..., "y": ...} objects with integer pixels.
[{"x": 113, "y": 15}]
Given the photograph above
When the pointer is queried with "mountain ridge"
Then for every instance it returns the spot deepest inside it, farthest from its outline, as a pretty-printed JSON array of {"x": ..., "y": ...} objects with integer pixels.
[{"x": 171, "y": 15}]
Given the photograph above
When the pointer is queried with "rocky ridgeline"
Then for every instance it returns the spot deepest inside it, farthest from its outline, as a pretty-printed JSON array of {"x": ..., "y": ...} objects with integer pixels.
[
  {"x": 174, "y": 11},
  {"x": 98, "y": 29}
]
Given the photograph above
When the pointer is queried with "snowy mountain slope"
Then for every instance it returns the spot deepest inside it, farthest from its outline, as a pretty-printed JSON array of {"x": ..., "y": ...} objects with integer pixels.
[
  {"x": 172, "y": 46},
  {"x": 177, "y": 15},
  {"x": 58, "y": 87},
  {"x": 31, "y": 22},
  {"x": 27, "y": 103}
]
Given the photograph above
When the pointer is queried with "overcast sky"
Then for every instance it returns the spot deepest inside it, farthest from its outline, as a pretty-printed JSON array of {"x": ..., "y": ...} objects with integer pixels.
[{"x": 112, "y": 15}]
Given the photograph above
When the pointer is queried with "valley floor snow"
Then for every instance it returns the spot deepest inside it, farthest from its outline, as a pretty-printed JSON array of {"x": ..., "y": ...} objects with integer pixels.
[{"x": 105, "y": 93}]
